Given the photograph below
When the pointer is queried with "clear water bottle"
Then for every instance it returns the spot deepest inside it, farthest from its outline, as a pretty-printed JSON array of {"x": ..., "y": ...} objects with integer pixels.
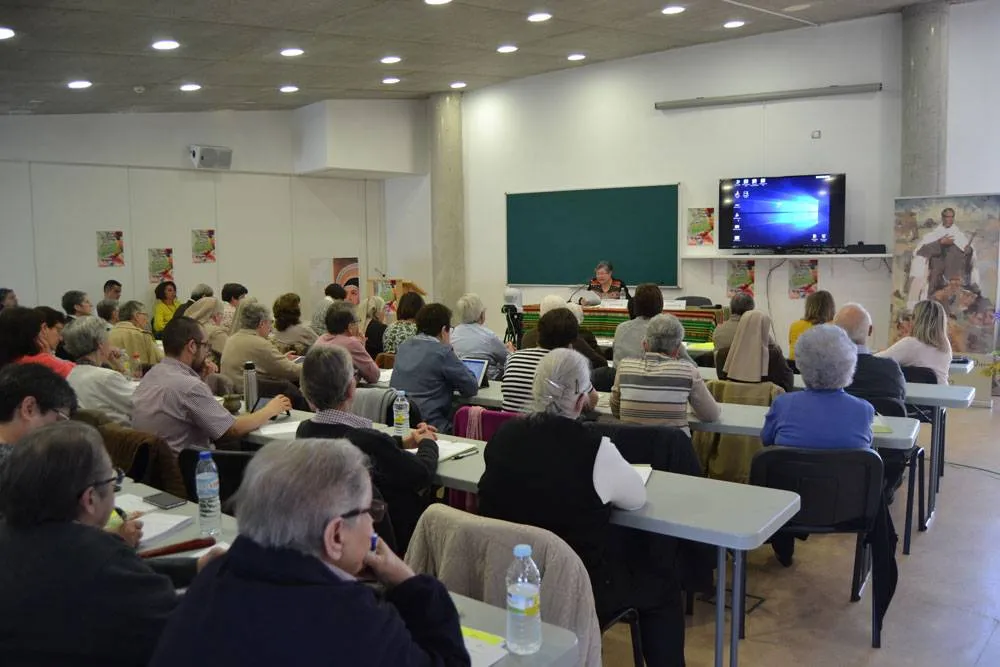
[
  {"x": 524, "y": 602},
  {"x": 209, "y": 506},
  {"x": 400, "y": 414},
  {"x": 249, "y": 386}
]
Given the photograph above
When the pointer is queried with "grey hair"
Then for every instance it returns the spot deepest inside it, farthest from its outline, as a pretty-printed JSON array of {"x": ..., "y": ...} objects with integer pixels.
[
  {"x": 859, "y": 332},
  {"x": 201, "y": 290},
  {"x": 84, "y": 335},
  {"x": 253, "y": 314},
  {"x": 741, "y": 303},
  {"x": 327, "y": 372},
  {"x": 128, "y": 311},
  {"x": 240, "y": 309},
  {"x": 826, "y": 357},
  {"x": 562, "y": 375},
  {"x": 551, "y": 302},
  {"x": 576, "y": 309},
  {"x": 664, "y": 334},
  {"x": 470, "y": 308},
  {"x": 292, "y": 490},
  {"x": 106, "y": 309}
]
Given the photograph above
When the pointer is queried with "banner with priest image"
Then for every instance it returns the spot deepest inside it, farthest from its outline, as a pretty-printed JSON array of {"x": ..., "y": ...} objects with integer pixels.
[{"x": 947, "y": 249}]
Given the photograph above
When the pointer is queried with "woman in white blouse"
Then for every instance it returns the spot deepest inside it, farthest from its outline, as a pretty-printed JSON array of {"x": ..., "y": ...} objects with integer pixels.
[
  {"x": 96, "y": 387},
  {"x": 927, "y": 345}
]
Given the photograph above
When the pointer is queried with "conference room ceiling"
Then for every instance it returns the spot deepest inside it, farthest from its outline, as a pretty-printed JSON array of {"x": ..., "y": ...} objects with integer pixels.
[{"x": 231, "y": 47}]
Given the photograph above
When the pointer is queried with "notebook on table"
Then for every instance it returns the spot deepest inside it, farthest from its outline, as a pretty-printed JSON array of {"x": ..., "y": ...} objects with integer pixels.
[{"x": 449, "y": 450}]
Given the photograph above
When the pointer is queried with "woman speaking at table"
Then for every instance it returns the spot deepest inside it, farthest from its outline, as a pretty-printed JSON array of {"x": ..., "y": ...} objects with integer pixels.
[{"x": 605, "y": 285}]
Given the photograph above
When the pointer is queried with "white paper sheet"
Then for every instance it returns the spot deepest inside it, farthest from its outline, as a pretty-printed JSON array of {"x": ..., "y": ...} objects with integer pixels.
[
  {"x": 484, "y": 649},
  {"x": 449, "y": 450},
  {"x": 279, "y": 428},
  {"x": 644, "y": 471},
  {"x": 132, "y": 503},
  {"x": 159, "y": 525}
]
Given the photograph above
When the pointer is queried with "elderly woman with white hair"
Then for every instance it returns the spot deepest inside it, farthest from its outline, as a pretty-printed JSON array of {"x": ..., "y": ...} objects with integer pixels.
[
  {"x": 250, "y": 343},
  {"x": 549, "y": 470},
  {"x": 207, "y": 311},
  {"x": 656, "y": 388},
  {"x": 585, "y": 343},
  {"x": 290, "y": 581},
  {"x": 96, "y": 387},
  {"x": 472, "y": 339}
]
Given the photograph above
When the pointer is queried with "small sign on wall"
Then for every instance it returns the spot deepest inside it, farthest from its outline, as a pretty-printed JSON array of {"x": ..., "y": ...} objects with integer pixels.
[
  {"x": 740, "y": 277},
  {"x": 803, "y": 278},
  {"x": 110, "y": 249},
  {"x": 203, "y": 246},
  {"x": 701, "y": 226},
  {"x": 161, "y": 265}
]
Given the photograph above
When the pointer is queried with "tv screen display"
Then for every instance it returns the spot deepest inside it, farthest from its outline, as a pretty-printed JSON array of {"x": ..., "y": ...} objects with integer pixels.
[{"x": 782, "y": 211}]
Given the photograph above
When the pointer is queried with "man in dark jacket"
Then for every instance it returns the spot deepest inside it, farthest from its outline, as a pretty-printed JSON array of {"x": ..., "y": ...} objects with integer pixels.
[
  {"x": 286, "y": 593},
  {"x": 874, "y": 377}
]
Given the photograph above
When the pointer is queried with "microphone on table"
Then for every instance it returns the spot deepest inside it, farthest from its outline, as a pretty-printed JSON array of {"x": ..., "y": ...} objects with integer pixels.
[{"x": 586, "y": 285}]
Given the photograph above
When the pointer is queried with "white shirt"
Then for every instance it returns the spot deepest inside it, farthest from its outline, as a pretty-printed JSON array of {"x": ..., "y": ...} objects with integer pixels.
[
  {"x": 103, "y": 389},
  {"x": 909, "y": 351},
  {"x": 615, "y": 480}
]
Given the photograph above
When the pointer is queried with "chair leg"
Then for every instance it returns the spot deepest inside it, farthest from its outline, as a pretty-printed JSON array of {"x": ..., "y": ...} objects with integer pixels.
[
  {"x": 689, "y": 603},
  {"x": 910, "y": 484},
  {"x": 633, "y": 629},
  {"x": 876, "y": 627},
  {"x": 921, "y": 505},
  {"x": 743, "y": 597},
  {"x": 944, "y": 424},
  {"x": 859, "y": 560}
]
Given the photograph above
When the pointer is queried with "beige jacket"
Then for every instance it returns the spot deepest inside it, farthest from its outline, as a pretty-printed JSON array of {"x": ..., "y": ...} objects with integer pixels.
[
  {"x": 245, "y": 345},
  {"x": 134, "y": 340},
  {"x": 470, "y": 555}
]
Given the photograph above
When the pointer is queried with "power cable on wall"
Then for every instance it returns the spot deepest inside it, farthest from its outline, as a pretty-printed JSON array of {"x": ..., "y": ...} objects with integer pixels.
[{"x": 767, "y": 293}]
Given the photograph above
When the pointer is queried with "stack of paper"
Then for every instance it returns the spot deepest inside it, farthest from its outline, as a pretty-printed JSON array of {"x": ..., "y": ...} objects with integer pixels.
[
  {"x": 159, "y": 525},
  {"x": 279, "y": 428},
  {"x": 132, "y": 503},
  {"x": 449, "y": 450},
  {"x": 644, "y": 471}
]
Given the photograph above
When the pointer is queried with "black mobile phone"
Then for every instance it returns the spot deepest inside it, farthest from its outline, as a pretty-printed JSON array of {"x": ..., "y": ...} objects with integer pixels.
[{"x": 164, "y": 501}]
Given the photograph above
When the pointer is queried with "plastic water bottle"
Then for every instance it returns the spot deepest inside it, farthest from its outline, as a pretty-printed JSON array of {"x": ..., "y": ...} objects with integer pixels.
[
  {"x": 209, "y": 506},
  {"x": 249, "y": 386},
  {"x": 524, "y": 603},
  {"x": 400, "y": 414}
]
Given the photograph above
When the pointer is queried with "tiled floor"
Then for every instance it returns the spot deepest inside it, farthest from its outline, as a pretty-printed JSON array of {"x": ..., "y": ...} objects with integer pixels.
[{"x": 946, "y": 612}]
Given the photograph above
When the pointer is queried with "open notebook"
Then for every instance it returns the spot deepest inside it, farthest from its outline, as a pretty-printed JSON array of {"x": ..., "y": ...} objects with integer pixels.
[{"x": 449, "y": 450}]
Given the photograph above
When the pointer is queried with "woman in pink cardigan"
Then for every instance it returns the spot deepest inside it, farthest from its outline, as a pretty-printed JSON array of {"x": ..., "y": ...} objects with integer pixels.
[{"x": 342, "y": 329}]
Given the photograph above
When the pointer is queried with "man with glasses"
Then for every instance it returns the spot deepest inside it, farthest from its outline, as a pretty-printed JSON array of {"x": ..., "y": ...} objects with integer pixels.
[
  {"x": 31, "y": 396},
  {"x": 174, "y": 402},
  {"x": 289, "y": 586}
]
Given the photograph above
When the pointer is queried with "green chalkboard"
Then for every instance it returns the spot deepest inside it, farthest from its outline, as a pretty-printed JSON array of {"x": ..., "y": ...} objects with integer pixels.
[{"x": 556, "y": 238}]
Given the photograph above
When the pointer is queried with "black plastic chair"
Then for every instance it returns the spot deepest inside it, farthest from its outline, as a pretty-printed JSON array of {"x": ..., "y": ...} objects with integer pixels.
[
  {"x": 695, "y": 301},
  {"x": 912, "y": 459},
  {"x": 231, "y": 466},
  {"x": 840, "y": 491}
]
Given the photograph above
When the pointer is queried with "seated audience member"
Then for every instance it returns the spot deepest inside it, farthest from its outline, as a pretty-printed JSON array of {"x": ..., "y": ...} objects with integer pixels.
[
  {"x": 31, "y": 396},
  {"x": 8, "y": 299},
  {"x": 819, "y": 309},
  {"x": 232, "y": 294},
  {"x": 76, "y": 304},
  {"x": 173, "y": 401},
  {"x": 289, "y": 584},
  {"x": 402, "y": 477},
  {"x": 166, "y": 305},
  {"x": 405, "y": 325},
  {"x": 647, "y": 303},
  {"x": 132, "y": 334},
  {"x": 56, "y": 494},
  {"x": 751, "y": 357},
  {"x": 874, "y": 377},
  {"x": 335, "y": 292},
  {"x": 373, "y": 325},
  {"x": 471, "y": 338},
  {"x": 343, "y": 330},
  {"x": 96, "y": 387},
  {"x": 656, "y": 388},
  {"x": 289, "y": 334},
  {"x": 250, "y": 343},
  {"x": 585, "y": 343},
  {"x": 725, "y": 332},
  {"x": 207, "y": 311},
  {"x": 556, "y": 329},
  {"x": 25, "y": 338},
  {"x": 520, "y": 485},
  {"x": 927, "y": 345},
  {"x": 586, "y": 340},
  {"x": 107, "y": 311},
  {"x": 200, "y": 291},
  {"x": 428, "y": 371},
  {"x": 352, "y": 289},
  {"x": 112, "y": 290}
]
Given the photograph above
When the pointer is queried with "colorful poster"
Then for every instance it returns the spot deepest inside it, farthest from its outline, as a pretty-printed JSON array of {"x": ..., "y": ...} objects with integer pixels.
[
  {"x": 203, "y": 246},
  {"x": 803, "y": 277},
  {"x": 701, "y": 226},
  {"x": 947, "y": 249},
  {"x": 161, "y": 265},
  {"x": 110, "y": 249},
  {"x": 740, "y": 277},
  {"x": 347, "y": 274}
]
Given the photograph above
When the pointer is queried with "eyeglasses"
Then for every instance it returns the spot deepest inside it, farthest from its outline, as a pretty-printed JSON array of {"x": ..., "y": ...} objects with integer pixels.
[
  {"x": 376, "y": 510},
  {"x": 61, "y": 416},
  {"x": 117, "y": 480},
  {"x": 200, "y": 343}
]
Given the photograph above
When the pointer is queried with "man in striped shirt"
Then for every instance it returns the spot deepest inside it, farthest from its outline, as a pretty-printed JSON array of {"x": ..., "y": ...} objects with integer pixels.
[
  {"x": 556, "y": 328},
  {"x": 656, "y": 388}
]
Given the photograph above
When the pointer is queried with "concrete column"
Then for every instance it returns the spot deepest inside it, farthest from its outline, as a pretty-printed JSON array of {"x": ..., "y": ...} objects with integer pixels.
[
  {"x": 925, "y": 98},
  {"x": 447, "y": 198}
]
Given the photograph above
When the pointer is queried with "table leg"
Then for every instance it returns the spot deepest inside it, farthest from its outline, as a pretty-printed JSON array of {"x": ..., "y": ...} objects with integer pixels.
[
  {"x": 720, "y": 607},
  {"x": 737, "y": 605}
]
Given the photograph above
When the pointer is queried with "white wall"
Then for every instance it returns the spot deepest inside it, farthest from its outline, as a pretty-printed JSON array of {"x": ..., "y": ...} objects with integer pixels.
[
  {"x": 596, "y": 127},
  {"x": 408, "y": 229}
]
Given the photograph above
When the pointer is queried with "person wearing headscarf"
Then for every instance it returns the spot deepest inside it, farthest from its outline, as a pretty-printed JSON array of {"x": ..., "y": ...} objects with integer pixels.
[
  {"x": 752, "y": 357},
  {"x": 208, "y": 312}
]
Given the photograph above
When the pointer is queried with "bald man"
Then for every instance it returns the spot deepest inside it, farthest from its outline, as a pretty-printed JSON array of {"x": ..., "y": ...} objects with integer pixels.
[{"x": 874, "y": 377}]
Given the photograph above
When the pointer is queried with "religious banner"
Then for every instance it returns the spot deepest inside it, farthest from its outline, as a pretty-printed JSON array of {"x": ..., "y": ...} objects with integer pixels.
[
  {"x": 701, "y": 226},
  {"x": 161, "y": 265},
  {"x": 203, "y": 246},
  {"x": 740, "y": 277},
  {"x": 803, "y": 277},
  {"x": 347, "y": 275},
  {"x": 110, "y": 249}
]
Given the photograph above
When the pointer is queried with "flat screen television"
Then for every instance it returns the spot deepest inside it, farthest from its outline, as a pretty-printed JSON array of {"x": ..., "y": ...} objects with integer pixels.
[{"x": 782, "y": 212}]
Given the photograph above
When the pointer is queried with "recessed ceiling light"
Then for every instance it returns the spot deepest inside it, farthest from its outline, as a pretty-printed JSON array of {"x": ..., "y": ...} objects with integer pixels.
[
  {"x": 797, "y": 8},
  {"x": 289, "y": 89},
  {"x": 436, "y": 2},
  {"x": 166, "y": 45},
  {"x": 390, "y": 80},
  {"x": 6, "y": 33},
  {"x": 190, "y": 87},
  {"x": 458, "y": 84},
  {"x": 506, "y": 48},
  {"x": 79, "y": 85},
  {"x": 576, "y": 56},
  {"x": 391, "y": 60},
  {"x": 291, "y": 53},
  {"x": 670, "y": 10},
  {"x": 733, "y": 24},
  {"x": 539, "y": 17}
]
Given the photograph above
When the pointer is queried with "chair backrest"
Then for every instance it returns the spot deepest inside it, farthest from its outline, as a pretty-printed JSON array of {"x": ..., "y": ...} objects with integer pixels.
[
  {"x": 840, "y": 489},
  {"x": 385, "y": 359},
  {"x": 919, "y": 374},
  {"x": 470, "y": 555},
  {"x": 888, "y": 406},
  {"x": 231, "y": 466},
  {"x": 374, "y": 403},
  {"x": 489, "y": 421},
  {"x": 695, "y": 301}
]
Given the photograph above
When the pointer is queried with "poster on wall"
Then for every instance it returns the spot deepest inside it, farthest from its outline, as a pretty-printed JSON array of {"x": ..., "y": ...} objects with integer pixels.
[
  {"x": 803, "y": 278},
  {"x": 110, "y": 249},
  {"x": 346, "y": 273},
  {"x": 947, "y": 249},
  {"x": 161, "y": 265},
  {"x": 203, "y": 246},
  {"x": 701, "y": 226},
  {"x": 740, "y": 277}
]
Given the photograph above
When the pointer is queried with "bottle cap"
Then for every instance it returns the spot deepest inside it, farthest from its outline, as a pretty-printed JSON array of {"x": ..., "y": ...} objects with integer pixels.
[
  {"x": 522, "y": 551},
  {"x": 400, "y": 392},
  {"x": 248, "y": 366},
  {"x": 205, "y": 456}
]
